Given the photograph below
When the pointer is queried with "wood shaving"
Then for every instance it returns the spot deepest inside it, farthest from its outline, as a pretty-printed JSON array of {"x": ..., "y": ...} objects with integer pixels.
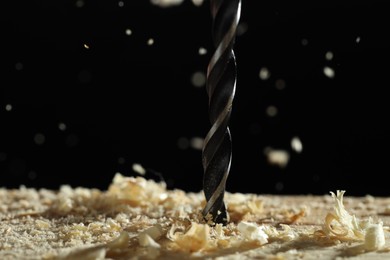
[{"x": 344, "y": 226}]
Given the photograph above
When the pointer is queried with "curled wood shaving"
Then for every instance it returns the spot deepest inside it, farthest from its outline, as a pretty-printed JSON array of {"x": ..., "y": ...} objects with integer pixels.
[{"x": 345, "y": 227}]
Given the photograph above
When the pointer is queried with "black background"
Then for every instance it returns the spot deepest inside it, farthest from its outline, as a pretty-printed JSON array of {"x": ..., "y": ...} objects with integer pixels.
[{"x": 126, "y": 102}]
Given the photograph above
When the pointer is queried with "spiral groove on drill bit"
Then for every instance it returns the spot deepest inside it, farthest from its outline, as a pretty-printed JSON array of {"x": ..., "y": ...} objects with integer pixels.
[{"x": 221, "y": 86}]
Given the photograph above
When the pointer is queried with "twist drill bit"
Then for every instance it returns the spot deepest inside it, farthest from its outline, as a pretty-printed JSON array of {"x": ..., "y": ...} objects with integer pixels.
[{"x": 220, "y": 86}]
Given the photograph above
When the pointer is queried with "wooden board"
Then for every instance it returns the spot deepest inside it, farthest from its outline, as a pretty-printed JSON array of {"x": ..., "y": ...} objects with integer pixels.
[{"x": 140, "y": 219}]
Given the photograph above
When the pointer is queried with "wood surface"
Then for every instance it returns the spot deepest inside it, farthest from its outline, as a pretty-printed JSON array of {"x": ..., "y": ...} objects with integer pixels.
[{"x": 83, "y": 223}]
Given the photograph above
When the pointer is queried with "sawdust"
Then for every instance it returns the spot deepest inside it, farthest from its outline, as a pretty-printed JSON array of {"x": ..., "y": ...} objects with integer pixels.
[{"x": 136, "y": 218}]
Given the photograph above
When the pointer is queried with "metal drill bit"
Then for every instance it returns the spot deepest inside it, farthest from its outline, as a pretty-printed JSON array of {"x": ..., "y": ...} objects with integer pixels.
[{"x": 221, "y": 86}]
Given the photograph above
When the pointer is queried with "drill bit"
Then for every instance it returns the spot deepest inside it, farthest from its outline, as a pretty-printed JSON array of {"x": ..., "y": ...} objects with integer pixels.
[{"x": 220, "y": 86}]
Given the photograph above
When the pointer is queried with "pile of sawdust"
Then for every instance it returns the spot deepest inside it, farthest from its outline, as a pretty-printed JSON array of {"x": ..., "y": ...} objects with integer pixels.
[{"x": 137, "y": 218}]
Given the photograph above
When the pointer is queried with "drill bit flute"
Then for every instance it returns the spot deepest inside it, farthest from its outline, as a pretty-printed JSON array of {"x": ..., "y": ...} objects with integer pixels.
[{"x": 221, "y": 86}]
